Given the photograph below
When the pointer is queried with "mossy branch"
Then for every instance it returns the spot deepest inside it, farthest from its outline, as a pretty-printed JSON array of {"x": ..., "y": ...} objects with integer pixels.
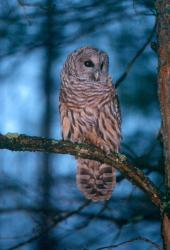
[{"x": 19, "y": 142}]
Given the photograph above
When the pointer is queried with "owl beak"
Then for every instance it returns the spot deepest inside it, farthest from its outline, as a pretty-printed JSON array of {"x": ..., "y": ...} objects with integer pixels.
[{"x": 96, "y": 75}]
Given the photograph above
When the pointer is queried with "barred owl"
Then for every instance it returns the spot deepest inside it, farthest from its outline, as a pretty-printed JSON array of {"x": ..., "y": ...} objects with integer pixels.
[{"x": 90, "y": 113}]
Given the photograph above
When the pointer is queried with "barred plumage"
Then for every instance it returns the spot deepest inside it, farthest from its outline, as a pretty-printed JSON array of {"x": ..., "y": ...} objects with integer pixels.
[{"x": 90, "y": 113}]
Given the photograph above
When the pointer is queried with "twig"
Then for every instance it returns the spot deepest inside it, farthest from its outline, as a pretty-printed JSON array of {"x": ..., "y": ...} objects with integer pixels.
[
  {"x": 91, "y": 217},
  {"x": 16, "y": 142},
  {"x": 52, "y": 224},
  {"x": 142, "y": 12},
  {"x": 21, "y": 3},
  {"x": 130, "y": 241},
  {"x": 139, "y": 52},
  {"x": 35, "y": 4}
]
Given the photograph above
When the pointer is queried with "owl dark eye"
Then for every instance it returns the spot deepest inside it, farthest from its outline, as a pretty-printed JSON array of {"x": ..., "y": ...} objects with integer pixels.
[
  {"x": 101, "y": 66},
  {"x": 89, "y": 64}
]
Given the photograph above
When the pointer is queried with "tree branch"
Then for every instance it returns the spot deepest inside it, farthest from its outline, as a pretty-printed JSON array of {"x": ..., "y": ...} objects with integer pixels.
[{"x": 16, "y": 142}]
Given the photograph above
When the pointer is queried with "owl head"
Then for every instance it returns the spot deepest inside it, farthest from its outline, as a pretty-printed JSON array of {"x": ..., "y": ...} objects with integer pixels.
[{"x": 87, "y": 64}]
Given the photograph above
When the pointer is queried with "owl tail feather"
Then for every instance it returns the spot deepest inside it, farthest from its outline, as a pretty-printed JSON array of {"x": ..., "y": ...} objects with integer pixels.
[{"x": 95, "y": 180}]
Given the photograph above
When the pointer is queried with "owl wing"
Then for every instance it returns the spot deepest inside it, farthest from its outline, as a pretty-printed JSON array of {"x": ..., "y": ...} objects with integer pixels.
[
  {"x": 117, "y": 115},
  {"x": 108, "y": 122},
  {"x": 116, "y": 104}
]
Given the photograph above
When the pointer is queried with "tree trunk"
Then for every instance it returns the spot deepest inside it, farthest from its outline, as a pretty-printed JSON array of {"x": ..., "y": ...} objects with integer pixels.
[
  {"x": 163, "y": 33},
  {"x": 46, "y": 241}
]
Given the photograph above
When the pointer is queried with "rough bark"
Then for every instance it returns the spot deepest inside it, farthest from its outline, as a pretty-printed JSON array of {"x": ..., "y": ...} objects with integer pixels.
[
  {"x": 16, "y": 142},
  {"x": 163, "y": 33}
]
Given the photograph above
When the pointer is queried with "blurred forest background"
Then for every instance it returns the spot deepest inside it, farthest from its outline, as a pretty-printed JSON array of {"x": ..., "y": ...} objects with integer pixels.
[{"x": 35, "y": 38}]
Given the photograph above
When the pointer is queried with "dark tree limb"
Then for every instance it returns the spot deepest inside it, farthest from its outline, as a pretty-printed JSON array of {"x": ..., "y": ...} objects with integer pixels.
[{"x": 16, "y": 142}]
